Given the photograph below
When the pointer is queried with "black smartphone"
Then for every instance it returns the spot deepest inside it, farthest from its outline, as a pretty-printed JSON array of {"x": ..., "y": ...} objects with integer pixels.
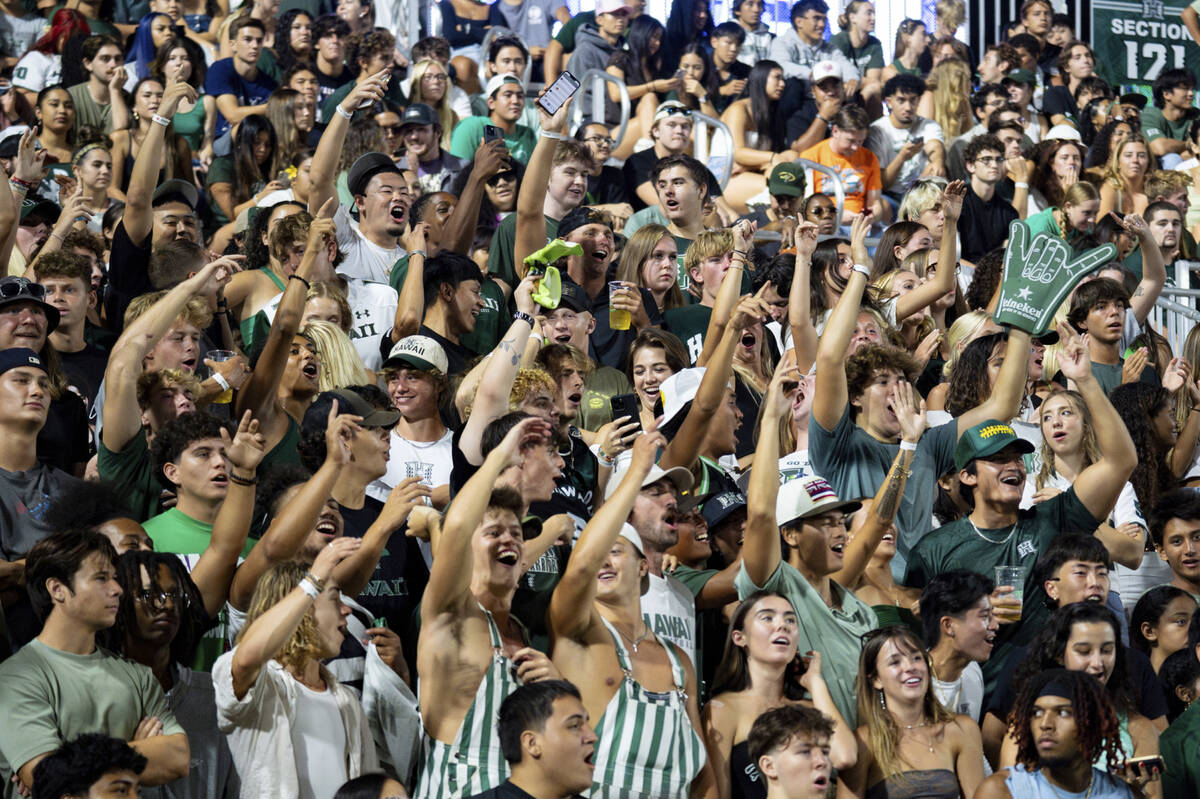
[
  {"x": 626, "y": 405},
  {"x": 492, "y": 133},
  {"x": 1148, "y": 764},
  {"x": 560, "y": 91},
  {"x": 919, "y": 140}
]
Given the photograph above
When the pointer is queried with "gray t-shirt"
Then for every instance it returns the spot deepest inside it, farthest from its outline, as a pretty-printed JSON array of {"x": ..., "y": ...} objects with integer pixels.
[
  {"x": 212, "y": 775},
  {"x": 24, "y": 499},
  {"x": 855, "y": 464},
  {"x": 531, "y": 20}
]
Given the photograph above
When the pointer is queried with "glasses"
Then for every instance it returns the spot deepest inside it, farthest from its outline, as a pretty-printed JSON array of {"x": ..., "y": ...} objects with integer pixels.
[
  {"x": 436, "y": 77},
  {"x": 990, "y": 159},
  {"x": 16, "y": 286},
  {"x": 503, "y": 177},
  {"x": 158, "y": 599},
  {"x": 609, "y": 140},
  {"x": 822, "y": 211}
]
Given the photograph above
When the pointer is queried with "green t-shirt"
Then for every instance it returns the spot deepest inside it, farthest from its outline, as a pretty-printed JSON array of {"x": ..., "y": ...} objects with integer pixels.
[
  {"x": 602, "y": 385},
  {"x": 88, "y": 112},
  {"x": 855, "y": 464},
  {"x": 1043, "y": 222},
  {"x": 689, "y": 323},
  {"x": 834, "y": 632},
  {"x": 1180, "y": 747},
  {"x": 174, "y": 531},
  {"x": 50, "y": 696},
  {"x": 1156, "y": 126},
  {"x": 489, "y": 325},
  {"x": 566, "y": 35},
  {"x": 468, "y": 135},
  {"x": 132, "y": 474},
  {"x": 221, "y": 170},
  {"x": 869, "y": 56},
  {"x": 959, "y": 545},
  {"x": 501, "y": 258}
]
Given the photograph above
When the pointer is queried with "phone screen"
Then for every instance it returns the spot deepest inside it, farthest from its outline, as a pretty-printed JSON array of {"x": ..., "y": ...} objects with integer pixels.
[{"x": 559, "y": 92}]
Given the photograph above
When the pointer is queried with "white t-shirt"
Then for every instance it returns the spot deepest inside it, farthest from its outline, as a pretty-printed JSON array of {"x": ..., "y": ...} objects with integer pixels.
[
  {"x": 17, "y": 34},
  {"x": 670, "y": 612},
  {"x": 374, "y": 308},
  {"x": 429, "y": 460},
  {"x": 362, "y": 259},
  {"x": 36, "y": 70},
  {"x": 964, "y": 695},
  {"x": 886, "y": 140},
  {"x": 319, "y": 740}
]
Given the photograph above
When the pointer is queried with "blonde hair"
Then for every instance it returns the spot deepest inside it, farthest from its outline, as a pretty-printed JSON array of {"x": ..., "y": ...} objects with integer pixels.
[
  {"x": 341, "y": 365},
  {"x": 950, "y": 82},
  {"x": 843, "y": 19},
  {"x": 528, "y": 380},
  {"x": 708, "y": 244},
  {"x": 924, "y": 195},
  {"x": 962, "y": 332},
  {"x": 1112, "y": 170},
  {"x": 1079, "y": 193},
  {"x": 637, "y": 249},
  {"x": 149, "y": 382},
  {"x": 883, "y": 289},
  {"x": 1191, "y": 351},
  {"x": 272, "y": 587},
  {"x": 951, "y": 13},
  {"x": 446, "y": 116},
  {"x": 331, "y": 292},
  {"x": 195, "y": 313},
  {"x": 1091, "y": 449}
]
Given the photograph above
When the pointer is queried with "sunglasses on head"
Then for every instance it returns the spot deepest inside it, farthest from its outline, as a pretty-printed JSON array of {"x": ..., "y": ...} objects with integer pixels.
[{"x": 15, "y": 287}]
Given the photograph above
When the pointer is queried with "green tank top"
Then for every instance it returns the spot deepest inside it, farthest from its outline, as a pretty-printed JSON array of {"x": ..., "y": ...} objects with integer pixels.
[
  {"x": 903, "y": 70},
  {"x": 286, "y": 452},
  {"x": 190, "y": 125},
  {"x": 255, "y": 329}
]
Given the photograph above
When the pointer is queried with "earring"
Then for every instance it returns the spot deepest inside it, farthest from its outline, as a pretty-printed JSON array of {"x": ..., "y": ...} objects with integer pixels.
[{"x": 882, "y": 701}]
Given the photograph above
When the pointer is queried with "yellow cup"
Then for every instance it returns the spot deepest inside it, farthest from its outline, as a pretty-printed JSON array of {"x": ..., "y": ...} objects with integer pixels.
[{"x": 617, "y": 319}]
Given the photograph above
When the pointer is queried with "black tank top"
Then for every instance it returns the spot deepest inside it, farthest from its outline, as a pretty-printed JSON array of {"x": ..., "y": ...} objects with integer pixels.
[{"x": 745, "y": 781}]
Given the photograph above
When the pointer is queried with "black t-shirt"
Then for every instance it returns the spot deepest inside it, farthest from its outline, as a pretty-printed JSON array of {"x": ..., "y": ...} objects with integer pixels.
[
  {"x": 611, "y": 347},
  {"x": 607, "y": 187},
  {"x": 85, "y": 371},
  {"x": 65, "y": 439},
  {"x": 797, "y": 108},
  {"x": 575, "y": 491},
  {"x": 983, "y": 226},
  {"x": 395, "y": 588},
  {"x": 737, "y": 71},
  {"x": 637, "y": 171},
  {"x": 1058, "y": 100},
  {"x": 127, "y": 276},
  {"x": 457, "y": 356}
]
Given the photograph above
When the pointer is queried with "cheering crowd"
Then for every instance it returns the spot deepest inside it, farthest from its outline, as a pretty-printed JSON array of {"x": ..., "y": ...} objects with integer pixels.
[{"x": 372, "y": 425}]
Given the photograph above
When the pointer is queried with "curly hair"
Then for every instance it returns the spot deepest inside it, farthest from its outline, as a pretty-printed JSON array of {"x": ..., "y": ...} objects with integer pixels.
[
  {"x": 87, "y": 503},
  {"x": 73, "y": 768},
  {"x": 193, "y": 619},
  {"x": 1137, "y": 404},
  {"x": 864, "y": 365},
  {"x": 179, "y": 434},
  {"x": 1097, "y": 728},
  {"x": 286, "y": 57},
  {"x": 272, "y": 587},
  {"x": 969, "y": 383},
  {"x": 1101, "y": 149}
]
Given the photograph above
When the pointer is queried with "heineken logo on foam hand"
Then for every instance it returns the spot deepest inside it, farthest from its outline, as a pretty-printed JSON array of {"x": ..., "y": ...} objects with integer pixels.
[{"x": 1039, "y": 273}]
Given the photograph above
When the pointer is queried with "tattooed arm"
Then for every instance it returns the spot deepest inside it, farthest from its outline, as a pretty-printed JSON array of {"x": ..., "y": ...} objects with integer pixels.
[
  {"x": 910, "y": 409},
  {"x": 497, "y": 376}
]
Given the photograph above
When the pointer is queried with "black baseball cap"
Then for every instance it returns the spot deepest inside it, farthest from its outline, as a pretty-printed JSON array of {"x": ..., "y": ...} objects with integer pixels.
[
  {"x": 176, "y": 190},
  {"x": 573, "y": 296},
  {"x": 366, "y": 167},
  {"x": 418, "y": 114},
  {"x": 317, "y": 415},
  {"x": 578, "y": 217},
  {"x": 35, "y": 209},
  {"x": 19, "y": 356}
]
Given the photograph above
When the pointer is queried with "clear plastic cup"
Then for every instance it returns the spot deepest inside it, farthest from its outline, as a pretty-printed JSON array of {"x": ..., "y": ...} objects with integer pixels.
[
  {"x": 220, "y": 356},
  {"x": 617, "y": 319}
]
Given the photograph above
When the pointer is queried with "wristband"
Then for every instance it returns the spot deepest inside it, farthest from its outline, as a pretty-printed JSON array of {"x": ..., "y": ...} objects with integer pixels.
[
  {"x": 221, "y": 381},
  {"x": 25, "y": 184},
  {"x": 54, "y": 234},
  {"x": 823, "y": 119},
  {"x": 302, "y": 280},
  {"x": 343, "y": 113},
  {"x": 161, "y": 120},
  {"x": 545, "y": 134},
  {"x": 601, "y": 457},
  {"x": 908, "y": 446},
  {"x": 243, "y": 481},
  {"x": 862, "y": 270},
  {"x": 1020, "y": 184},
  {"x": 521, "y": 316},
  {"x": 317, "y": 582},
  {"x": 417, "y": 252},
  {"x": 310, "y": 589}
]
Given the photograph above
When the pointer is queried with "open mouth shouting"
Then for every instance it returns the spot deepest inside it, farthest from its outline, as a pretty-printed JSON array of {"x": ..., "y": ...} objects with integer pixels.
[
  {"x": 508, "y": 556},
  {"x": 311, "y": 371}
]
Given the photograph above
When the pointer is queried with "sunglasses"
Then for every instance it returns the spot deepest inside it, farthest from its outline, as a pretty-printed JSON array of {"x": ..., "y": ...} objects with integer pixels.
[
  {"x": 16, "y": 286},
  {"x": 496, "y": 180},
  {"x": 822, "y": 211}
]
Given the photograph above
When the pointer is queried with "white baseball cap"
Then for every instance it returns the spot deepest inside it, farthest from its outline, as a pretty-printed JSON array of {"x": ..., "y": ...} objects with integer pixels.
[
  {"x": 678, "y": 390},
  {"x": 1063, "y": 133},
  {"x": 679, "y": 476},
  {"x": 631, "y": 535},
  {"x": 809, "y": 496},
  {"x": 825, "y": 69},
  {"x": 419, "y": 351}
]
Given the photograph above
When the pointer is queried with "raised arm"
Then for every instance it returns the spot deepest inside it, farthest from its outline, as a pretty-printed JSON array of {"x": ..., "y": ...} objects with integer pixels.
[
  {"x": 1005, "y": 399},
  {"x": 804, "y": 334},
  {"x": 263, "y": 639},
  {"x": 323, "y": 172},
  {"x": 1154, "y": 270},
  {"x": 942, "y": 284},
  {"x": 1099, "y": 485},
  {"x": 496, "y": 380},
  {"x": 411, "y": 308},
  {"x": 458, "y": 232},
  {"x": 831, "y": 395},
  {"x": 258, "y": 394},
  {"x": 139, "y": 216},
  {"x": 122, "y": 417},
  {"x": 571, "y": 605},
  {"x": 295, "y": 520},
  {"x": 910, "y": 412},
  {"x": 531, "y": 221},
  {"x": 28, "y": 168},
  {"x": 355, "y": 572},
  {"x": 729, "y": 290},
  {"x": 214, "y": 570},
  {"x": 761, "y": 550},
  {"x": 450, "y": 576}
]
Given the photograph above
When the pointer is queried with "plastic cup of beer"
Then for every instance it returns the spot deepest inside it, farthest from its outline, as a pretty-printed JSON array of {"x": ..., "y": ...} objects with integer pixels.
[
  {"x": 617, "y": 319},
  {"x": 1012, "y": 577},
  {"x": 220, "y": 356}
]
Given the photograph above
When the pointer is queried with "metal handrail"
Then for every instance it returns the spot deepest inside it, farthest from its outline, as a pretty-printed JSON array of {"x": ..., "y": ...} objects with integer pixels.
[
  {"x": 839, "y": 188},
  {"x": 598, "y": 98},
  {"x": 491, "y": 36},
  {"x": 702, "y": 144}
]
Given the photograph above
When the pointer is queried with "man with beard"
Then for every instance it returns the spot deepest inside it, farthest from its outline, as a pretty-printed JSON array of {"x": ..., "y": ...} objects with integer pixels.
[
  {"x": 959, "y": 628},
  {"x": 472, "y": 652},
  {"x": 1063, "y": 723},
  {"x": 988, "y": 457},
  {"x": 1166, "y": 228},
  {"x": 547, "y": 741},
  {"x": 422, "y": 135},
  {"x": 908, "y": 145}
]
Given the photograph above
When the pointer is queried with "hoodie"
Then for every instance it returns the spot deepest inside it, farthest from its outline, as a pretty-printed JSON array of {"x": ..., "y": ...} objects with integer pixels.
[{"x": 592, "y": 51}]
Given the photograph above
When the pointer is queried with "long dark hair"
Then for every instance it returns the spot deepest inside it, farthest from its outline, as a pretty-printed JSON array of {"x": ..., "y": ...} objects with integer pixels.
[
  {"x": 195, "y": 55},
  {"x": 193, "y": 619},
  {"x": 641, "y": 31},
  {"x": 1101, "y": 147},
  {"x": 898, "y": 234},
  {"x": 709, "y": 81},
  {"x": 247, "y": 171},
  {"x": 968, "y": 379},
  {"x": 1044, "y": 179},
  {"x": 733, "y": 672},
  {"x": 1137, "y": 404},
  {"x": 285, "y": 55},
  {"x": 1048, "y": 649},
  {"x": 824, "y": 272},
  {"x": 1148, "y": 610},
  {"x": 765, "y": 112}
]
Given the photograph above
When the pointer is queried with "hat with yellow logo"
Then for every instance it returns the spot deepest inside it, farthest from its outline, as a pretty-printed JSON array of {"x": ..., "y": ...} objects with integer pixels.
[{"x": 987, "y": 438}]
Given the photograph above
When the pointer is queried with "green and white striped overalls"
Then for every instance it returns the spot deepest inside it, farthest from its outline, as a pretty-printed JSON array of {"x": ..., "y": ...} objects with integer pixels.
[
  {"x": 647, "y": 746},
  {"x": 474, "y": 762}
]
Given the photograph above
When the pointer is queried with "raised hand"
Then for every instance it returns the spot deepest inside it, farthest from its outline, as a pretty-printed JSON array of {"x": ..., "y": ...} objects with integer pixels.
[
  {"x": 340, "y": 430},
  {"x": 1178, "y": 374},
  {"x": 743, "y": 235},
  {"x": 367, "y": 91},
  {"x": 417, "y": 238},
  {"x": 1135, "y": 364},
  {"x": 556, "y": 122},
  {"x": 408, "y": 494},
  {"x": 806, "y": 239},
  {"x": 533, "y": 430},
  {"x": 173, "y": 95},
  {"x": 248, "y": 446},
  {"x": 30, "y": 158},
  {"x": 751, "y": 309},
  {"x": 952, "y": 200},
  {"x": 617, "y": 436},
  {"x": 334, "y": 553},
  {"x": 777, "y": 401},
  {"x": 927, "y": 348},
  {"x": 910, "y": 411},
  {"x": 491, "y": 158},
  {"x": 1073, "y": 359},
  {"x": 533, "y": 666},
  {"x": 388, "y": 647},
  {"x": 859, "y": 228}
]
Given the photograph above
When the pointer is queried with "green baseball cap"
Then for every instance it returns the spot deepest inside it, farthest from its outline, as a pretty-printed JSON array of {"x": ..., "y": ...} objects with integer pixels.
[
  {"x": 987, "y": 438},
  {"x": 1021, "y": 76},
  {"x": 786, "y": 179}
]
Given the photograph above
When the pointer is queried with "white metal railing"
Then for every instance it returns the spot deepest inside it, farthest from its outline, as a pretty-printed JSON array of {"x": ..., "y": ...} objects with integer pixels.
[
  {"x": 713, "y": 146},
  {"x": 839, "y": 188},
  {"x": 593, "y": 80}
]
